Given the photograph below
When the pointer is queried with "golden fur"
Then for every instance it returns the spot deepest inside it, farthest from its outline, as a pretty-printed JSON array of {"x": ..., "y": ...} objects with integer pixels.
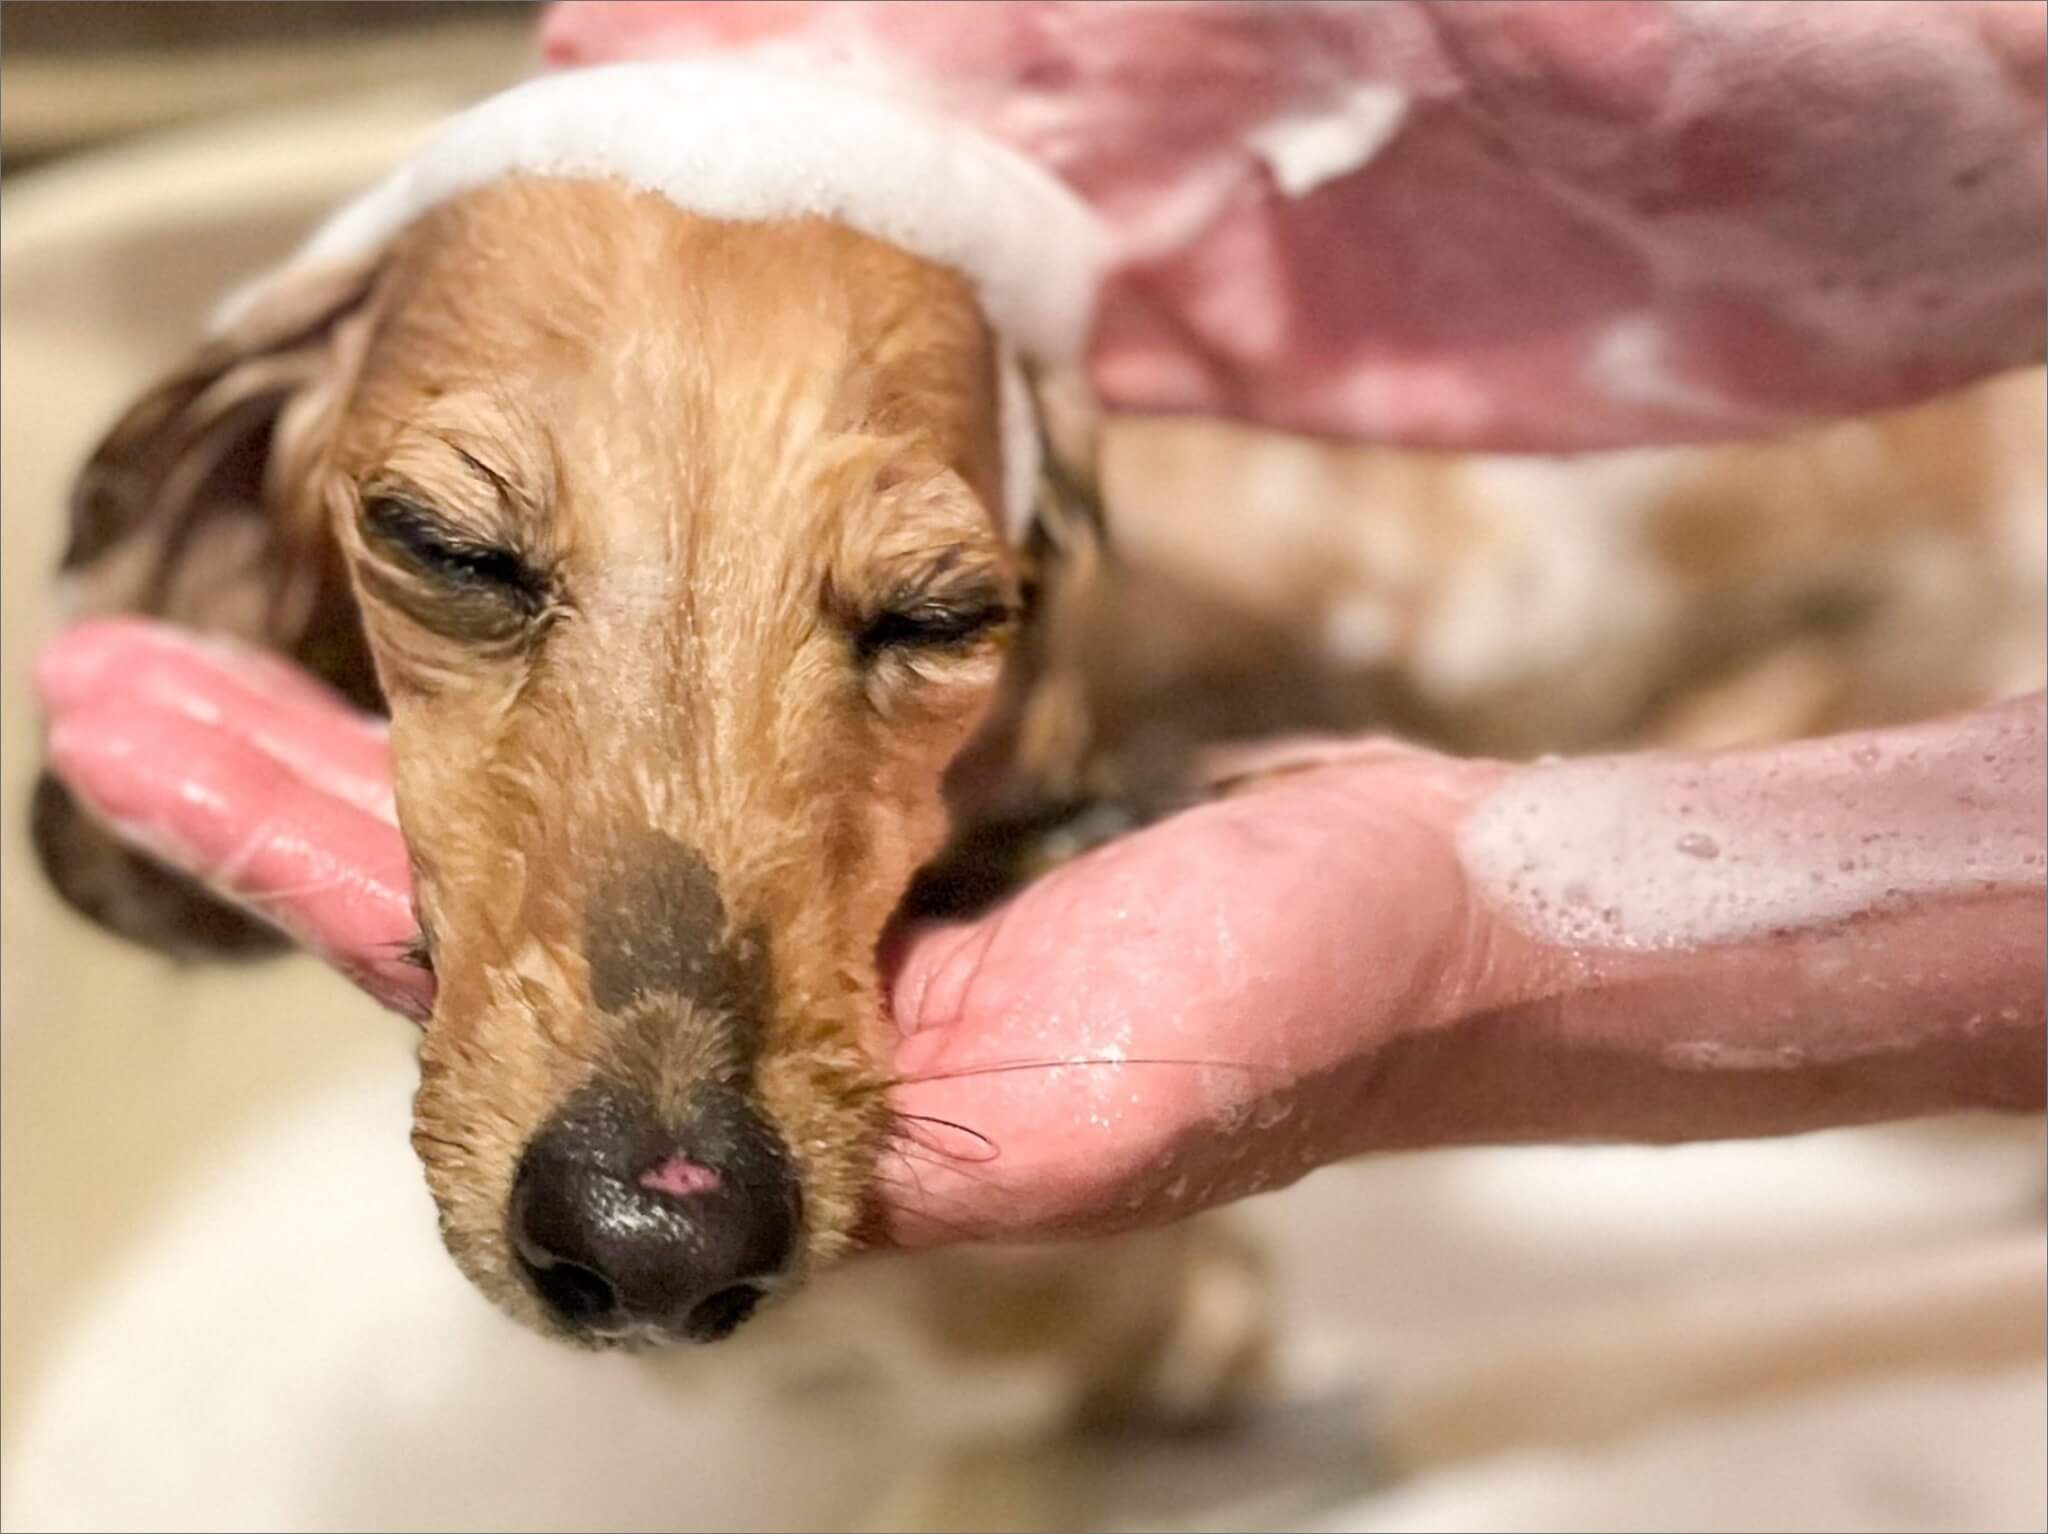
[
  {"x": 725, "y": 480},
  {"x": 719, "y": 455},
  {"x": 725, "y": 448}
]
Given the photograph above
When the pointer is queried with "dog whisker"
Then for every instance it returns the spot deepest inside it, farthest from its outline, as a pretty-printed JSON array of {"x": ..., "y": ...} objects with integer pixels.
[
  {"x": 914, "y": 1129},
  {"x": 413, "y": 951},
  {"x": 958, "y": 1128},
  {"x": 1078, "y": 1063},
  {"x": 924, "y": 1204},
  {"x": 925, "y": 1197}
]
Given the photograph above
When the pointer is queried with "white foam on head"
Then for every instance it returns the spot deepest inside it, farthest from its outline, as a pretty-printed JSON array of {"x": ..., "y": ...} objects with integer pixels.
[
  {"x": 1306, "y": 150},
  {"x": 749, "y": 142},
  {"x": 1658, "y": 852}
]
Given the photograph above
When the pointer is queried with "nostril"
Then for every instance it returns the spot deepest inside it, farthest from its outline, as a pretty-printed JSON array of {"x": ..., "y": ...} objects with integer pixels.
[
  {"x": 718, "y": 1317},
  {"x": 575, "y": 1293},
  {"x": 554, "y": 1253},
  {"x": 560, "y": 1251}
]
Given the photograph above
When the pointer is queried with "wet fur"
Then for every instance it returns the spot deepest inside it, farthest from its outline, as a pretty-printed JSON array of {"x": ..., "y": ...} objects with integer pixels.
[
  {"x": 196, "y": 508},
  {"x": 660, "y": 809}
]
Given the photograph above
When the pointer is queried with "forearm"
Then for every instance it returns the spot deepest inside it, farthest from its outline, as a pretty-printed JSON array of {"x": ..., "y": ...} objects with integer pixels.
[
  {"x": 1411, "y": 950},
  {"x": 1806, "y": 1032},
  {"x": 1665, "y": 949},
  {"x": 1513, "y": 227}
]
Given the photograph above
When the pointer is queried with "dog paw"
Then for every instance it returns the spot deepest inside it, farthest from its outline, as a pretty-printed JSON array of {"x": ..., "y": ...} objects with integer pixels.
[{"x": 1205, "y": 1362}]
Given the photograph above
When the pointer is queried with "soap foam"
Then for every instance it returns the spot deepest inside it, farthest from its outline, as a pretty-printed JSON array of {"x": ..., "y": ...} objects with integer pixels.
[
  {"x": 1662, "y": 852},
  {"x": 748, "y": 142},
  {"x": 1308, "y": 149}
]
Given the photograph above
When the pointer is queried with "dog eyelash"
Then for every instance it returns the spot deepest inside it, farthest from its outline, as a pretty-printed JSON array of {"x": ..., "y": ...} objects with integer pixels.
[
  {"x": 439, "y": 550},
  {"x": 930, "y": 626}
]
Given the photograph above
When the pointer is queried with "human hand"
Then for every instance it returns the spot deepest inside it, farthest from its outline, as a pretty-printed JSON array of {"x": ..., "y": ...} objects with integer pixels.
[
  {"x": 1498, "y": 226},
  {"x": 1108, "y": 1048},
  {"x": 1361, "y": 1024},
  {"x": 1315, "y": 965}
]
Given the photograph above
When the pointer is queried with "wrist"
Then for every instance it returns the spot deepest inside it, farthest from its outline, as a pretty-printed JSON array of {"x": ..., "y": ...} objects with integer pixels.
[{"x": 1664, "y": 948}]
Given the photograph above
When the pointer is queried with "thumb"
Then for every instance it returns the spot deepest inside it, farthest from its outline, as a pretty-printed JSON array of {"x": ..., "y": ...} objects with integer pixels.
[{"x": 1181, "y": 1017}]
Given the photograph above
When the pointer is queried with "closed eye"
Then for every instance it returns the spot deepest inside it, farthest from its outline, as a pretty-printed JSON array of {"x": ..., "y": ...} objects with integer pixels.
[
  {"x": 434, "y": 547},
  {"x": 922, "y": 627}
]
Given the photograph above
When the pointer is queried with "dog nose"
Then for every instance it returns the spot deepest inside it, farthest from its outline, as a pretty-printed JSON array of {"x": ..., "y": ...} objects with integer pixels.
[{"x": 622, "y": 1223}]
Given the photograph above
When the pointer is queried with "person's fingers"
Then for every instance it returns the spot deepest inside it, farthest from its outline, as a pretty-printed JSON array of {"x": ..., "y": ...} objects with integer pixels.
[
  {"x": 1181, "y": 1017},
  {"x": 1232, "y": 767},
  {"x": 247, "y": 777},
  {"x": 1601, "y": 226},
  {"x": 1493, "y": 226},
  {"x": 270, "y": 703},
  {"x": 1375, "y": 948}
]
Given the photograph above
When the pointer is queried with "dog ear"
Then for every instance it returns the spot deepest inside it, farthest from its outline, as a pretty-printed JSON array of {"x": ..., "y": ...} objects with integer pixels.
[
  {"x": 201, "y": 506},
  {"x": 1033, "y": 746},
  {"x": 1033, "y": 772},
  {"x": 1070, "y": 568},
  {"x": 1120, "y": 677}
]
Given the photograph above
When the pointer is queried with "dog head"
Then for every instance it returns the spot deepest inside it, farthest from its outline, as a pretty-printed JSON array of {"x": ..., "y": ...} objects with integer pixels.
[{"x": 677, "y": 547}]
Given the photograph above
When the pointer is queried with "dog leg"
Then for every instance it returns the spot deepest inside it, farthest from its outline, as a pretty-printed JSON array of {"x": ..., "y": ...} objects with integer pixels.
[{"x": 1157, "y": 1331}]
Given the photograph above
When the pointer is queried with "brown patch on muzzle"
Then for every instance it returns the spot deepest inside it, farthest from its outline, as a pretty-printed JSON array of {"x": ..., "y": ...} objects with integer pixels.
[{"x": 657, "y": 929}]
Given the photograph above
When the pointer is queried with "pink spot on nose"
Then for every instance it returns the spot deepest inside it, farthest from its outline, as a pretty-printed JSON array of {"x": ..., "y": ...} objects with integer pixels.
[{"x": 679, "y": 1177}]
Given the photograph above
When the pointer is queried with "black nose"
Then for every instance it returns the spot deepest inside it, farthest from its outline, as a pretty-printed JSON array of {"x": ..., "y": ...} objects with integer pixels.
[{"x": 623, "y": 1224}]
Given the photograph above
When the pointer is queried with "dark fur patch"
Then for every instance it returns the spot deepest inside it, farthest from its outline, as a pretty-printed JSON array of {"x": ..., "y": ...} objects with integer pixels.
[
  {"x": 128, "y": 894},
  {"x": 658, "y": 927}
]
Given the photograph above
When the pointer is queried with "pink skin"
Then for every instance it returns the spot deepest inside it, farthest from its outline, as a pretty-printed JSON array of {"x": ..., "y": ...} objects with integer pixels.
[
  {"x": 1306, "y": 970},
  {"x": 680, "y": 1177},
  {"x": 1133, "y": 1037},
  {"x": 250, "y": 776},
  {"x": 1595, "y": 225}
]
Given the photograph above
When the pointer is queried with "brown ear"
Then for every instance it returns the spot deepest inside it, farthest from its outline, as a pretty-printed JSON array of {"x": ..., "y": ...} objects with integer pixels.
[
  {"x": 1033, "y": 769},
  {"x": 1122, "y": 676},
  {"x": 1073, "y": 571},
  {"x": 201, "y": 507},
  {"x": 1033, "y": 747}
]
